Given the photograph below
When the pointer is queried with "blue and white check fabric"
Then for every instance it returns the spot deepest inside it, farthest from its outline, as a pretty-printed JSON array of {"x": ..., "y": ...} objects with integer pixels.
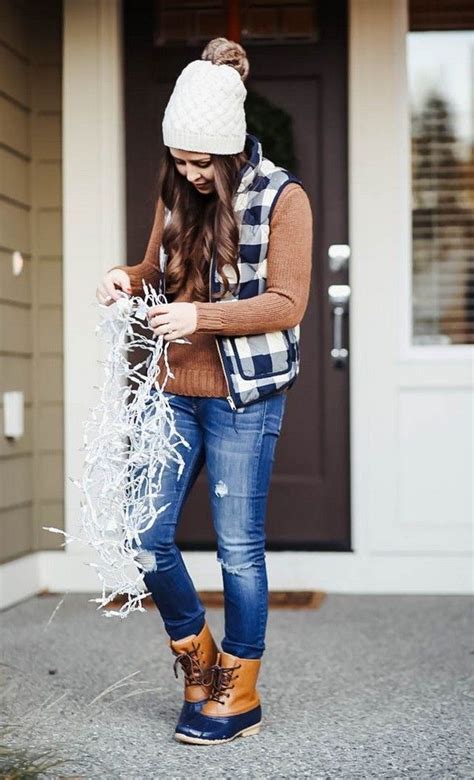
[{"x": 256, "y": 365}]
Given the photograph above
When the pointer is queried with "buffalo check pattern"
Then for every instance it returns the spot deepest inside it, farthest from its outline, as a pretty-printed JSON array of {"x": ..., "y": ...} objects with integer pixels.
[{"x": 256, "y": 365}]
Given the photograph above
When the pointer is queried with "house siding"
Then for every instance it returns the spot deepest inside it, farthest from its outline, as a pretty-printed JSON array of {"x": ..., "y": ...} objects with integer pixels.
[{"x": 31, "y": 469}]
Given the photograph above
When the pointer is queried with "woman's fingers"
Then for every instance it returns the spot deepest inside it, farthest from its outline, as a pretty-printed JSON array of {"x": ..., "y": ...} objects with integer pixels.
[
  {"x": 111, "y": 284},
  {"x": 160, "y": 309},
  {"x": 180, "y": 316},
  {"x": 159, "y": 319},
  {"x": 102, "y": 295},
  {"x": 114, "y": 280}
]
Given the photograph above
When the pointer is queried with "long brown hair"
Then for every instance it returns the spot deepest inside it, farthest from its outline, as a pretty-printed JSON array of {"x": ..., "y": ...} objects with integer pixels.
[{"x": 203, "y": 223}]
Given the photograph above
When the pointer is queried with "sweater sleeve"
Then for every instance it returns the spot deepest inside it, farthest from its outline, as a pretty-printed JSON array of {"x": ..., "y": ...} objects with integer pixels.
[
  {"x": 289, "y": 262},
  {"x": 149, "y": 267}
]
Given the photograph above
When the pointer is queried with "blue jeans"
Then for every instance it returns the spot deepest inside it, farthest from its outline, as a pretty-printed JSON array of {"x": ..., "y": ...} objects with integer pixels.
[{"x": 238, "y": 447}]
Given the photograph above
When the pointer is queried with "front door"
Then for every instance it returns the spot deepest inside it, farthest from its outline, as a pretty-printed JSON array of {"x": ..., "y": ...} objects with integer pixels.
[{"x": 309, "y": 502}]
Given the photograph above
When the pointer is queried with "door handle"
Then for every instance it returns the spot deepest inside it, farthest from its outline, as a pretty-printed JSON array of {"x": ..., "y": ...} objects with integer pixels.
[
  {"x": 339, "y": 295},
  {"x": 338, "y": 256}
]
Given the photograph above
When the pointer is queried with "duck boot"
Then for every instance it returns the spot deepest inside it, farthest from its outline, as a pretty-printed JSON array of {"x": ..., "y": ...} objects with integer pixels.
[
  {"x": 196, "y": 654},
  {"x": 233, "y": 707}
]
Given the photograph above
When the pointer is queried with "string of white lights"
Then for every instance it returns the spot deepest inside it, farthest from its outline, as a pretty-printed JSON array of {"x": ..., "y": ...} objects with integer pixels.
[{"x": 129, "y": 439}]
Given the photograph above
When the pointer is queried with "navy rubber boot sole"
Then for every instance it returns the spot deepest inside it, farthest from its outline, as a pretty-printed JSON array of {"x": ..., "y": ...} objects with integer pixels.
[{"x": 204, "y": 730}]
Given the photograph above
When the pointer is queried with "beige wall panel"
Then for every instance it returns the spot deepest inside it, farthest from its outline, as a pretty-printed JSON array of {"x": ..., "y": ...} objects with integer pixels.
[
  {"x": 51, "y": 515},
  {"x": 50, "y": 281},
  {"x": 15, "y": 329},
  {"x": 31, "y": 469},
  {"x": 15, "y": 374},
  {"x": 50, "y": 476},
  {"x": 14, "y": 176},
  {"x": 14, "y": 127},
  {"x": 50, "y": 323},
  {"x": 50, "y": 427},
  {"x": 49, "y": 240},
  {"x": 15, "y": 533},
  {"x": 21, "y": 446},
  {"x": 48, "y": 182},
  {"x": 13, "y": 26},
  {"x": 16, "y": 482},
  {"x": 14, "y": 227},
  {"x": 50, "y": 378},
  {"x": 48, "y": 87},
  {"x": 14, "y": 76},
  {"x": 47, "y": 137},
  {"x": 14, "y": 288}
]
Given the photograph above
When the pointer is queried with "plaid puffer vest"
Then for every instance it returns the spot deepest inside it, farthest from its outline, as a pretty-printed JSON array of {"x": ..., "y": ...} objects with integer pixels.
[{"x": 255, "y": 366}]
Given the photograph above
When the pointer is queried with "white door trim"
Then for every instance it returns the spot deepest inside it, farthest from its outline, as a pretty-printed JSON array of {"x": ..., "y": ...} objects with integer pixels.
[{"x": 94, "y": 205}]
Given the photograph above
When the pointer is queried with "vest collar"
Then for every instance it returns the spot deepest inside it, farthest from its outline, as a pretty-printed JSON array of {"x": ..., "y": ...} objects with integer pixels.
[{"x": 248, "y": 173}]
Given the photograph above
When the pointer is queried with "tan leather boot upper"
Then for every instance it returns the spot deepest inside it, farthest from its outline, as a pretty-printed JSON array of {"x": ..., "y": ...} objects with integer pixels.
[
  {"x": 233, "y": 689},
  {"x": 196, "y": 654}
]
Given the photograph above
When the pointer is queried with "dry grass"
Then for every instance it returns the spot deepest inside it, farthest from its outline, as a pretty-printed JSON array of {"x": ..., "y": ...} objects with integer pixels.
[{"x": 18, "y": 763}]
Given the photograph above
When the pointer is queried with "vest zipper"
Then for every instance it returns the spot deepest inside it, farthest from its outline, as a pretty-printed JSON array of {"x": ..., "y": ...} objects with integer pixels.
[
  {"x": 230, "y": 400},
  {"x": 229, "y": 397}
]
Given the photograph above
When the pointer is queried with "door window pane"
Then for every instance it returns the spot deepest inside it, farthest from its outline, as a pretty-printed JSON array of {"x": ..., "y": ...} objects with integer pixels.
[
  {"x": 262, "y": 21},
  {"x": 440, "y": 68}
]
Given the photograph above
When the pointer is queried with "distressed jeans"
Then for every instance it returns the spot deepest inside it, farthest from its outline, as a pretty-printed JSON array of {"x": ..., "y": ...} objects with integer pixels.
[{"x": 238, "y": 448}]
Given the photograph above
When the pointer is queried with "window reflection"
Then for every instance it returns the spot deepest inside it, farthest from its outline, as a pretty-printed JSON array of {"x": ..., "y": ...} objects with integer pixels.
[{"x": 440, "y": 67}]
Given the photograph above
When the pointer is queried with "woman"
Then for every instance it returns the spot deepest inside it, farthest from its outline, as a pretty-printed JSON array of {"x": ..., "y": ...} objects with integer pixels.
[{"x": 231, "y": 245}]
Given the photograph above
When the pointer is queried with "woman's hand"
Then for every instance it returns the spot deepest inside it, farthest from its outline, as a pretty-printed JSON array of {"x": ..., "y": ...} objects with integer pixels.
[
  {"x": 181, "y": 318},
  {"x": 113, "y": 281}
]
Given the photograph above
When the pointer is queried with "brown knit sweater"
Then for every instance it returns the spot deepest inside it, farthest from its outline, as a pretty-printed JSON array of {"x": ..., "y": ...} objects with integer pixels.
[{"x": 197, "y": 366}]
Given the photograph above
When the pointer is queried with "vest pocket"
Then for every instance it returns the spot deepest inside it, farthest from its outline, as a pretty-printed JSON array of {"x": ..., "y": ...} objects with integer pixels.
[{"x": 262, "y": 354}]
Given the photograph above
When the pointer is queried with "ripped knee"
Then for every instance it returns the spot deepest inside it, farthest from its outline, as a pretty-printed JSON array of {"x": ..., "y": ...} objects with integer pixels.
[
  {"x": 162, "y": 557},
  {"x": 237, "y": 569},
  {"x": 146, "y": 559}
]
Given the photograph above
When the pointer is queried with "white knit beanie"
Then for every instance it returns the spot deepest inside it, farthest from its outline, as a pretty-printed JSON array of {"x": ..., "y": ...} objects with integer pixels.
[{"x": 205, "y": 112}]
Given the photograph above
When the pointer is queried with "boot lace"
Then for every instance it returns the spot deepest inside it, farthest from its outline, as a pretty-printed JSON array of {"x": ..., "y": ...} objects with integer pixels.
[
  {"x": 222, "y": 677},
  {"x": 194, "y": 674}
]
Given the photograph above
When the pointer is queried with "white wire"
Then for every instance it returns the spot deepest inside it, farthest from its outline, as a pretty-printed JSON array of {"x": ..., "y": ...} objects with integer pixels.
[{"x": 129, "y": 439}]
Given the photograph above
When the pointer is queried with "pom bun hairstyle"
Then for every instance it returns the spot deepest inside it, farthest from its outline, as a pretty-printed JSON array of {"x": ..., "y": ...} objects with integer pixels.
[{"x": 221, "y": 51}]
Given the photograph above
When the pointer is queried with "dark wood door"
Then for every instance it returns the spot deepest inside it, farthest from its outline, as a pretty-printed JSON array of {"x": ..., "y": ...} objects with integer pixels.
[{"x": 309, "y": 501}]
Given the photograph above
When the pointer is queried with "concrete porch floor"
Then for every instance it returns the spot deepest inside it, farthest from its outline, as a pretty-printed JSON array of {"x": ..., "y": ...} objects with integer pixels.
[{"x": 364, "y": 687}]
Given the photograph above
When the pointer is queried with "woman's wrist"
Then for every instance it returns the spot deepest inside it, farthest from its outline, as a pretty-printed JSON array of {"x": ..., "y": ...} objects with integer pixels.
[{"x": 209, "y": 317}]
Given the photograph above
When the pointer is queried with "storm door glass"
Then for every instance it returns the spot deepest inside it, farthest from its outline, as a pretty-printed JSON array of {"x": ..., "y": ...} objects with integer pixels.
[{"x": 441, "y": 79}]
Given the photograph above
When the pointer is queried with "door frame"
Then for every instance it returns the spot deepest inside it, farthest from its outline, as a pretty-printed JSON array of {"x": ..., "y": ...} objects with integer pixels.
[{"x": 319, "y": 71}]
